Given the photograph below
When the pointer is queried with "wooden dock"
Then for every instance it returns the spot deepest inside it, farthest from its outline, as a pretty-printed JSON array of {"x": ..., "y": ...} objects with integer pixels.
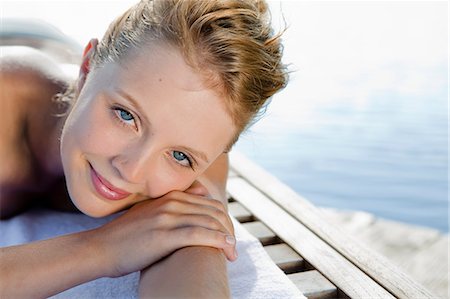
[
  {"x": 421, "y": 252},
  {"x": 321, "y": 259}
]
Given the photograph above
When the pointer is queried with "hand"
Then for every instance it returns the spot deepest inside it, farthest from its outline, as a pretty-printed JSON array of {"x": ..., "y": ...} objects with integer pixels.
[
  {"x": 198, "y": 188},
  {"x": 153, "y": 229}
]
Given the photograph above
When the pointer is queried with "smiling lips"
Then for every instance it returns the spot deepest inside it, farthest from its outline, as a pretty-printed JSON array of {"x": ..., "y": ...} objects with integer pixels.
[{"x": 106, "y": 189}]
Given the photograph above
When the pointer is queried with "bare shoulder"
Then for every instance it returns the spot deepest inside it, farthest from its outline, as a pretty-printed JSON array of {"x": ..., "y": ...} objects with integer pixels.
[{"x": 28, "y": 82}]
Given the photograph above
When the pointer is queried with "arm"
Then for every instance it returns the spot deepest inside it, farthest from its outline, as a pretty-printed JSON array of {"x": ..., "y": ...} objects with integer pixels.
[
  {"x": 143, "y": 235},
  {"x": 45, "y": 268},
  {"x": 192, "y": 272}
]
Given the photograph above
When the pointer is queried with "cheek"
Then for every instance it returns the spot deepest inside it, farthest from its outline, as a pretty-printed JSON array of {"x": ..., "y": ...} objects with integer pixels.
[
  {"x": 91, "y": 131},
  {"x": 165, "y": 178}
]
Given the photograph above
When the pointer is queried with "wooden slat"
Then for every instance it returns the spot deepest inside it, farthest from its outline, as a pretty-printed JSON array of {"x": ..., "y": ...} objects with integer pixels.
[
  {"x": 313, "y": 285},
  {"x": 285, "y": 257},
  {"x": 261, "y": 232},
  {"x": 232, "y": 173},
  {"x": 239, "y": 212},
  {"x": 376, "y": 266},
  {"x": 433, "y": 262},
  {"x": 322, "y": 256},
  {"x": 230, "y": 199}
]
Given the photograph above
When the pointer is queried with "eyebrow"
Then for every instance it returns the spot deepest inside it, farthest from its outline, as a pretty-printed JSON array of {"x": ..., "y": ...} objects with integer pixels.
[
  {"x": 196, "y": 153},
  {"x": 136, "y": 105}
]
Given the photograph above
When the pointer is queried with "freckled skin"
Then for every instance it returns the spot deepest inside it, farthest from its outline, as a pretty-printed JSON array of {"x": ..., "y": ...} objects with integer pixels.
[
  {"x": 175, "y": 110},
  {"x": 136, "y": 157}
]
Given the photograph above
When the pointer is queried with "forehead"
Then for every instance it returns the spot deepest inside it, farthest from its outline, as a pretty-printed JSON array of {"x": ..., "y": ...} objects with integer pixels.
[
  {"x": 162, "y": 61},
  {"x": 175, "y": 97}
]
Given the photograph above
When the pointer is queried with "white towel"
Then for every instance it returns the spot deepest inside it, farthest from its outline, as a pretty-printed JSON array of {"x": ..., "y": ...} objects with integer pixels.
[{"x": 253, "y": 275}]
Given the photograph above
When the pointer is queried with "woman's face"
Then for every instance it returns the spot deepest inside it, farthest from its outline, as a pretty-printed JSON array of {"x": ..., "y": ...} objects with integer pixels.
[{"x": 140, "y": 129}]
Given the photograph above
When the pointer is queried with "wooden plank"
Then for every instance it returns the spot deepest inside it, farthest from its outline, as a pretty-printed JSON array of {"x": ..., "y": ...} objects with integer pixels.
[
  {"x": 239, "y": 212},
  {"x": 285, "y": 257},
  {"x": 430, "y": 264},
  {"x": 322, "y": 256},
  {"x": 376, "y": 266},
  {"x": 232, "y": 173},
  {"x": 314, "y": 285},
  {"x": 229, "y": 198},
  {"x": 261, "y": 232},
  {"x": 412, "y": 248}
]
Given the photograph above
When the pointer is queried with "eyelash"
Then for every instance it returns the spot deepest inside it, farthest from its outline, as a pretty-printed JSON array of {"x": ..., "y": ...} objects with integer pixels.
[
  {"x": 118, "y": 110},
  {"x": 188, "y": 158}
]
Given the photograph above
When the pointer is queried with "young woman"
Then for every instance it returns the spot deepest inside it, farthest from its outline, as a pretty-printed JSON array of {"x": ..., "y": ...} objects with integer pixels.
[{"x": 145, "y": 129}]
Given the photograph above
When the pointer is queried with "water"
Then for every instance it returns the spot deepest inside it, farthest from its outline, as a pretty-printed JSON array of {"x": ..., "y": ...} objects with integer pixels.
[
  {"x": 389, "y": 157},
  {"x": 363, "y": 124}
]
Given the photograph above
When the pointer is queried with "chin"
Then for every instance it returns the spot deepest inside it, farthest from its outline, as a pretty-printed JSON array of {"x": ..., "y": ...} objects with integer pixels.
[
  {"x": 98, "y": 209},
  {"x": 87, "y": 202},
  {"x": 95, "y": 213},
  {"x": 94, "y": 208}
]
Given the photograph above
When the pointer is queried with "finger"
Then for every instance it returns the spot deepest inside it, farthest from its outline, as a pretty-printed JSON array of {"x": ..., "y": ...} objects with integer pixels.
[
  {"x": 194, "y": 199},
  {"x": 197, "y": 188},
  {"x": 183, "y": 207},
  {"x": 170, "y": 221},
  {"x": 210, "y": 202},
  {"x": 204, "y": 221},
  {"x": 199, "y": 236}
]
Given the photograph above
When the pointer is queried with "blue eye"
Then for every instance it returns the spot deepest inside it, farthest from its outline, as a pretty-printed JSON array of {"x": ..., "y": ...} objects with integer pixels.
[
  {"x": 182, "y": 158},
  {"x": 125, "y": 115},
  {"x": 179, "y": 156}
]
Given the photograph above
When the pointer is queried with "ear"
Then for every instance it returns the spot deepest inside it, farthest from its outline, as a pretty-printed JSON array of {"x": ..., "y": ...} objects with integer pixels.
[{"x": 86, "y": 59}]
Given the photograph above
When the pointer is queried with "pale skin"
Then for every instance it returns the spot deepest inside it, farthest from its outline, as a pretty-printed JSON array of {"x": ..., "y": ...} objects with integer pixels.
[{"x": 164, "y": 147}]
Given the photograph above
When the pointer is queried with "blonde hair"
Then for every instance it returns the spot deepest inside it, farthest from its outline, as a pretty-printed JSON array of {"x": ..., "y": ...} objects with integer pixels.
[{"x": 231, "y": 42}]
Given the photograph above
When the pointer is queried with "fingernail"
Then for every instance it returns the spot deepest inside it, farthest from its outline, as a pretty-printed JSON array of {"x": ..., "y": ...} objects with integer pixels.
[{"x": 230, "y": 240}]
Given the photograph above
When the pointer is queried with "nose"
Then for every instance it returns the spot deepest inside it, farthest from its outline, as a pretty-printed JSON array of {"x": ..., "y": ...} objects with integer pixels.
[
  {"x": 197, "y": 188},
  {"x": 133, "y": 164}
]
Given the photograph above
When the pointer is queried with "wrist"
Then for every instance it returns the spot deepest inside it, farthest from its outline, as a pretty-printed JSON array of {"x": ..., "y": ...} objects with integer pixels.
[{"x": 96, "y": 254}]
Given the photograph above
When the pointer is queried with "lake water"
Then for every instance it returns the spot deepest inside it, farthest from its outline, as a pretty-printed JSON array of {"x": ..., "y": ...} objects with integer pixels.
[
  {"x": 388, "y": 157},
  {"x": 363, "y": 123}
]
